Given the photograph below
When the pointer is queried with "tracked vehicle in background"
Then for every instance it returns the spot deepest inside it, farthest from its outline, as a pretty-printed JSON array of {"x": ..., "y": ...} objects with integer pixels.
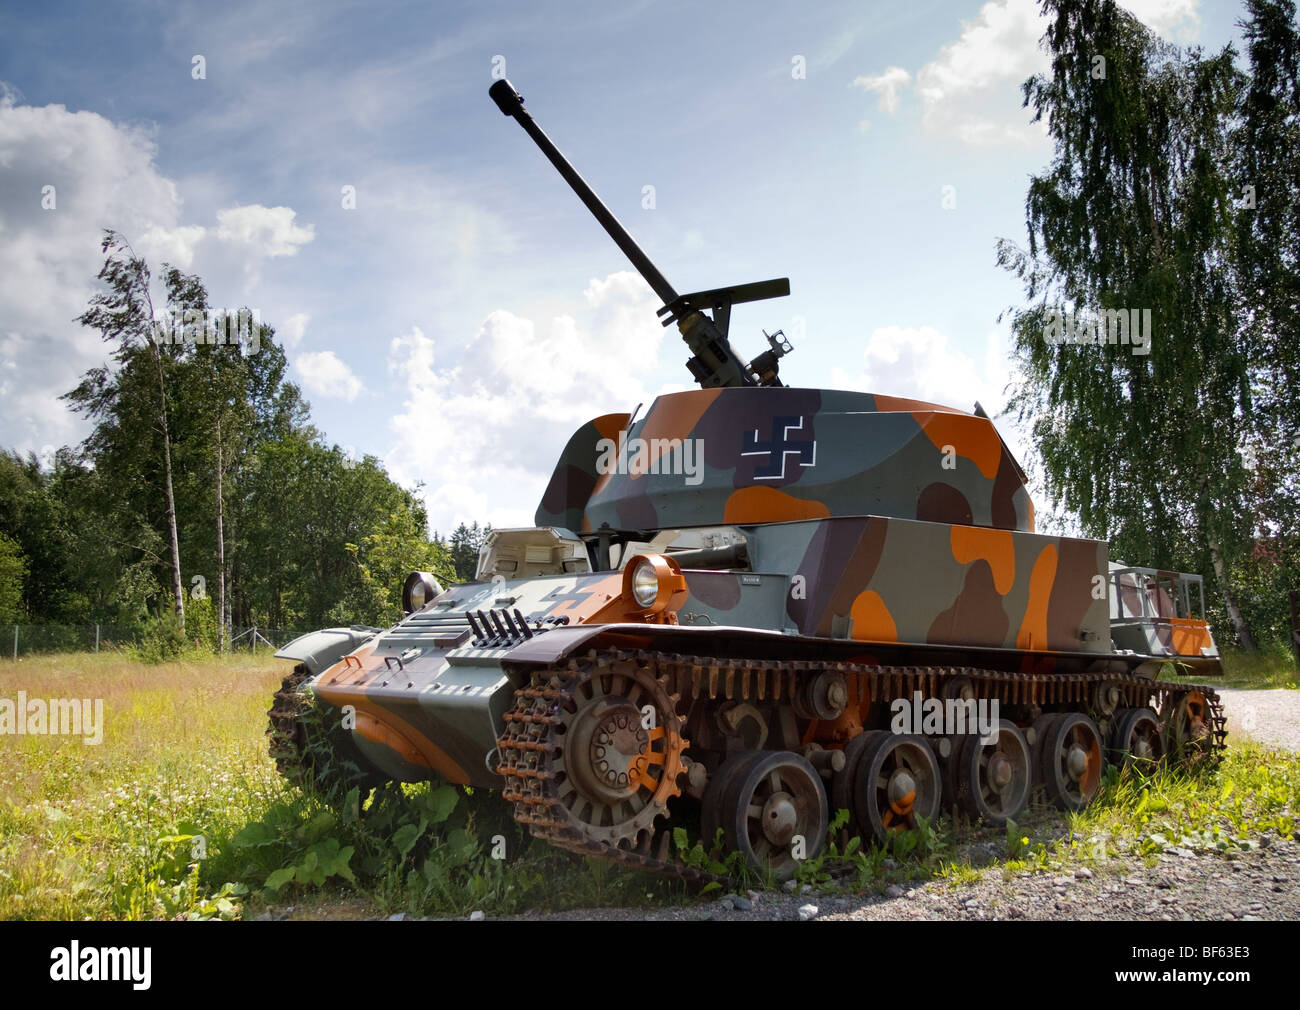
[{"x": 733, "y": 606}]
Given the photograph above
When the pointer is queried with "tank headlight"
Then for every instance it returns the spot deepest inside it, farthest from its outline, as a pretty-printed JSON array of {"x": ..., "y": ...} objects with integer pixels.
[
  {"x": 645, "y": 584},
  {"x": 652, "y": 582},
  {"x": 420, "y": 588}
]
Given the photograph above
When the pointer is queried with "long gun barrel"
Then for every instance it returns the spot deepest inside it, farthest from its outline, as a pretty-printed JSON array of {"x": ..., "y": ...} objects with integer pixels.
[{"x": 714, "y": 362}]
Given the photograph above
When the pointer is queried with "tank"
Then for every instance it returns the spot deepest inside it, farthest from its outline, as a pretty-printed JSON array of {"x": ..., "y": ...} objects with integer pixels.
[{"x": 756, "y": 605}]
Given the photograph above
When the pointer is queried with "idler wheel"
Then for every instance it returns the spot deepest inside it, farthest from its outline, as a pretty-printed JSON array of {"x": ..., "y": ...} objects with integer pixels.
[
  {"x": 1071, "y": 760},
  {"x": 993, "y": 780},
  {"x": 897, "y": 782},
  {"x": 774, "y": 801},
  {"x": 1187, "y": 735}
]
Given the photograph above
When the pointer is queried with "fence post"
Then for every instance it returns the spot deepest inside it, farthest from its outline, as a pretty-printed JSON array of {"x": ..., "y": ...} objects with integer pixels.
[
  {"x": 15, "y": 643},
  {"x": 96, "y": 637}
]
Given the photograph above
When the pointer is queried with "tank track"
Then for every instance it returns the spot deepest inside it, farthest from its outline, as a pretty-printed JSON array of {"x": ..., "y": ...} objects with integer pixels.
[
  {"x": 528, "y": 749},
  {"x": 308, "y": 753},
  {"x": 528, "y": 746},
  {"x": 286, "y": 735}
]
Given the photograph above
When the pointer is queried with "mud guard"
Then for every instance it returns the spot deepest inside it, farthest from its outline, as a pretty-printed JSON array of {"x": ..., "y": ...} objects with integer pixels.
[
  {"x": 319, "y": 650},
  {"x": 739, "y": 642}
]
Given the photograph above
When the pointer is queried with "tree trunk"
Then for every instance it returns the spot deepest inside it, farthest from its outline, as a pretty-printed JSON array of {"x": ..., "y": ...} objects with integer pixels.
[
  {"x": 1239, "y": 624},
  {"x": 178, "y": 590},
  {"x": 221, "y": 551}
]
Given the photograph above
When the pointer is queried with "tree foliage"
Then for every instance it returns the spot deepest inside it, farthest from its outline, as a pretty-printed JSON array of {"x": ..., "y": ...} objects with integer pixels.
[
  {"x": 270, "y": 520},
  {"x": 1178, "y": 456}
]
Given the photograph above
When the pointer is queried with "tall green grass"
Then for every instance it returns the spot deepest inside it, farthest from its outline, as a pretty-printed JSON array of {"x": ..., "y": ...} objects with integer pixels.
[
  {"x": 179, "y": 812},
  {"x": 1274, "y": 665}
]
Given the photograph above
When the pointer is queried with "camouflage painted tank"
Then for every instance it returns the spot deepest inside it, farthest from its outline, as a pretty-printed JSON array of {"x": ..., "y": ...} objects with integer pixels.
[{"x": 756, "y": 605}]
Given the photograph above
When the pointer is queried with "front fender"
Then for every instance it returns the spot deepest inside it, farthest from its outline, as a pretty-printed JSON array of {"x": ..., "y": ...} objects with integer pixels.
[{"x": 319, "y": 650}]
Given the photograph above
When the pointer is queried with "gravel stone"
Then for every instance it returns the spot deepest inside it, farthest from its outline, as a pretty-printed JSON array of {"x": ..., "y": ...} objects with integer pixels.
[{"x": 1273, "y": 717}]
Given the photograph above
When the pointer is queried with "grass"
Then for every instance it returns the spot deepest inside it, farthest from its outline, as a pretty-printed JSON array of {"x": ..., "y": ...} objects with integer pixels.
[
  {"x": 115, "y": 831},
  {"x": 79, "y": 824},
  {"x": 1252, "y": 798},
  {"x": 179, "y": 813},
  {"x": 1273, "y": 666}
]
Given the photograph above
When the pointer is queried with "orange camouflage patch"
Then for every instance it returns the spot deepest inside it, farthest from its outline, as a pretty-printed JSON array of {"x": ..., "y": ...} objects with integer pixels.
[
  {"x": 607, "y": 426},
  {"x": 770, "y": 505},
  {"x": 975, "y": 438},
  {"x": 382, "y": 727},
  {"x": 997, "y": 547},
  {"x": 1033, "y": 629},
  {"x": 598, "y": 594},
  {"x": 345, "y": 684},
  {"x": 872, "y": 621},
  {"x": 900, "y": 404},
  {"x": 675, "y": 417}
]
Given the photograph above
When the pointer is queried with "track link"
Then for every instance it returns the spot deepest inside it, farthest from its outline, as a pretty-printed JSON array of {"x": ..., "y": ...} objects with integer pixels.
[
  {"x": 286, "y": 737},
  {"x": 530, "y": 748}
]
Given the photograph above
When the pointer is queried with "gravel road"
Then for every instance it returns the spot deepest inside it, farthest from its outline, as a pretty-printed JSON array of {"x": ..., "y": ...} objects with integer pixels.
[
  {"x": 1271, "y": 717},
  {"x": 1260, "y": 884}
]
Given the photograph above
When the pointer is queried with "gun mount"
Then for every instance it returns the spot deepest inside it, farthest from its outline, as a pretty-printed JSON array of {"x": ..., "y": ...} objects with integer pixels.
[{"x": 714, "y": 362}]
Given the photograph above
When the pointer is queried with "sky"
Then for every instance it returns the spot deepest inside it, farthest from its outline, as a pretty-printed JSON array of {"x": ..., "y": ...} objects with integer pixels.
[{"x": 446, "y": 303}]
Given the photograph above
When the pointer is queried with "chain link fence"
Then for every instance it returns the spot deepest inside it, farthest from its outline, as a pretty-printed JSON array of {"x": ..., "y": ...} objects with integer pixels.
[{"x": 28, "y": 639}]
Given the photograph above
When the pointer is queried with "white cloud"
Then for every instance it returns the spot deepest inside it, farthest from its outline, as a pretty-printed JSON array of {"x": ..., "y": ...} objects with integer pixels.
[
  {"x": 471, "y": 431},
  {"x": 103, "y": 176},
  {"x": 921, "y": 362},
  {"x": 887, "y": 85},
  {"x": 1174, "y": 19},
  {"x": 171, "y": 245},
  {"x": 970, "y": 90},
  {"x": 981, "y": 71},
  {"x": 270, "y": 231},
  {"x": 323, "y": 374},
  {"x": 290, "y": 333}
]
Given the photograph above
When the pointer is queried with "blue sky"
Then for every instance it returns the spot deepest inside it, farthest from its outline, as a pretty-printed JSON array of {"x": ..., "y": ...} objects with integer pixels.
[{"x": 468, "y": 313}]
